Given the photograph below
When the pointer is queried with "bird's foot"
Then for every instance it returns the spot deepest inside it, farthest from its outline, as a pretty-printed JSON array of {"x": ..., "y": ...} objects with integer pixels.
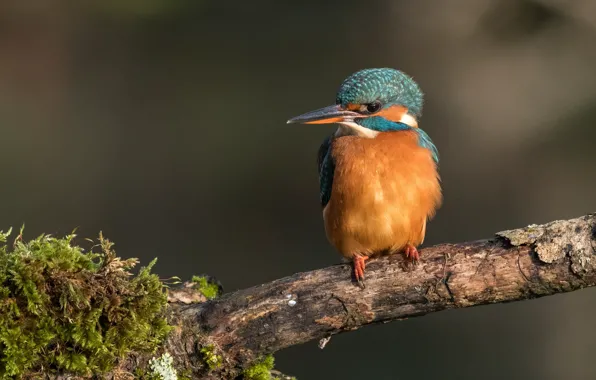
[
  {"x": 412, "y": 253},
  {"x": 359, "y": 265}
]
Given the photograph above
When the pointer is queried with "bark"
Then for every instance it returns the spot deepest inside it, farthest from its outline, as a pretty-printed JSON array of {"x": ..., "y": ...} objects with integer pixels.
[{"x": 242, "y": 326}]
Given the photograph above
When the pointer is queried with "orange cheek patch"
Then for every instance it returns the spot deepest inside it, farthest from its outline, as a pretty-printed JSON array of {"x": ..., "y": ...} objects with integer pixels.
[
  {"x": 353, "y": 107},
  {"x": 393, "y": 113},
  {"x": 326, "y": 121}
]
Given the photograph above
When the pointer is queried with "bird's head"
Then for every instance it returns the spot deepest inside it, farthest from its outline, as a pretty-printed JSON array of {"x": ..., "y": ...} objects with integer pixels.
[{"x": 371, "y": 101}]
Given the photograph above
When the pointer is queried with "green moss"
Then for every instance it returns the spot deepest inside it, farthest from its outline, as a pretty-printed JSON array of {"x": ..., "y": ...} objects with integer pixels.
[
  {"x": 64, "y": 309},
  {"x": 210, "y": 357},
  {"x": 260, "y": 370},
  {"x": 209, "y": 289},
  {"x": 185, "y": 375}
]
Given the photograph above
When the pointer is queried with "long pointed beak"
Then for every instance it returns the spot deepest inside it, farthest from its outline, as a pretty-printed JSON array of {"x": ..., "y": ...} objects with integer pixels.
[{"x": 327, "y": 115}]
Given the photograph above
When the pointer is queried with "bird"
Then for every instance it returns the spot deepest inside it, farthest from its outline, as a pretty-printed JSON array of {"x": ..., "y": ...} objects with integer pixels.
[{"x": 378, "y": 171}]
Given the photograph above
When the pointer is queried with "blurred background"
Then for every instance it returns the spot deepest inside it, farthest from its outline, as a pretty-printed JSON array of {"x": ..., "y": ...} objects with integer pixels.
[{"x": 162, "y": 123}]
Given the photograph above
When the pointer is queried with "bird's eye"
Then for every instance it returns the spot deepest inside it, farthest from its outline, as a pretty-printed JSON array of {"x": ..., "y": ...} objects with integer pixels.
[{"x": 373, "y": 107}]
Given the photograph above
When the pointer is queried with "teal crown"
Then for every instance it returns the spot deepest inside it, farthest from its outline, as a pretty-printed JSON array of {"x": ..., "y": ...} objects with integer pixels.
[{"x": 388, "y": 86}]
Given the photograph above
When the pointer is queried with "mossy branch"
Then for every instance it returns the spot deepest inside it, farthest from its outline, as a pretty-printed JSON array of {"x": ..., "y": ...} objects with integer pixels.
[{"x": 232, "y": 336}]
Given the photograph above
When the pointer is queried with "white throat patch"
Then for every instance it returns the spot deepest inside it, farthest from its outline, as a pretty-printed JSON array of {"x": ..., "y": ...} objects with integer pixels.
[{"x": 350, "y": 128}]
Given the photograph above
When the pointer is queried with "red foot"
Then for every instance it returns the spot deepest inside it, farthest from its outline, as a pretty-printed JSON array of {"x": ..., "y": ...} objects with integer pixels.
[
  {"x": 412, "y": 253},
  {"x": 359, "y": 266}
]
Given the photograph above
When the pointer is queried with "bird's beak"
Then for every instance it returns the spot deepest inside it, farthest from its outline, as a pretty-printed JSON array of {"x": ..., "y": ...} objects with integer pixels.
[{"x": 327, "y": 115}]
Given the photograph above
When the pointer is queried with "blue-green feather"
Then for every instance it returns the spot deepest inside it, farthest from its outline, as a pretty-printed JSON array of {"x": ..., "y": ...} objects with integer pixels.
[
  {"x": 326, "y": 170},
  {"x": 378, "y": 123},
  {"x": 425, "y": 142},
  {"x": 389, "y": 86}
]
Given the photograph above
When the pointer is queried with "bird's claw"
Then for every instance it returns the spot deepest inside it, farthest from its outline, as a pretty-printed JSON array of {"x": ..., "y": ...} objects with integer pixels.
[
  {"x": 359, "y": 266},
  {"x": 412, "y": 253}
]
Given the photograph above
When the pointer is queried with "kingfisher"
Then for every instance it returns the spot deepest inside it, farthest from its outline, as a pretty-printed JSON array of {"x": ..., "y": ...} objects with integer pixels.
[{"x": 378, "y": 171}]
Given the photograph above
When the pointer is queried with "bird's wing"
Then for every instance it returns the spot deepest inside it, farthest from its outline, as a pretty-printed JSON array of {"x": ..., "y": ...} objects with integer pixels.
[
  {"x": 326, "y": 169},
  {"x": 425, "y": 142}
]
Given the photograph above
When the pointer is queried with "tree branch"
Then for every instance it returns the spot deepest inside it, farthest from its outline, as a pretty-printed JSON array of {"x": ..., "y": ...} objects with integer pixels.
[{"x": 243, "y": 326}]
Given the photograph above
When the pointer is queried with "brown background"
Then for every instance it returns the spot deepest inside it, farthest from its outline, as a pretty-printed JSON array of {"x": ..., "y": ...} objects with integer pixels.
[{"x": 162, "y": 123}]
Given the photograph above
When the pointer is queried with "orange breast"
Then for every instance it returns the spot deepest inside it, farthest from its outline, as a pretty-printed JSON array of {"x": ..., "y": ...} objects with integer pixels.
[{"x": 384, "y": 190}]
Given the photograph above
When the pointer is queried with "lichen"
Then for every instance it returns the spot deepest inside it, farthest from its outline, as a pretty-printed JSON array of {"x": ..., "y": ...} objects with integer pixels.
[
  {"x": 521, "y": 236},
  {"x": 161, "y": 368},
  {"x": 66, "y": 310},
  {"x": 261, "y": 370},
  {"x": 211, "y": 358},
  {"x": 208, "y": 288},
  {"x": 559, "y": 239}
]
